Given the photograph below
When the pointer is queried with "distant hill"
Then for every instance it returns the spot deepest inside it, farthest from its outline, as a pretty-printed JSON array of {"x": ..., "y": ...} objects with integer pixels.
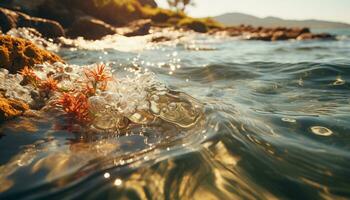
[{"x": 232, "y": 19}]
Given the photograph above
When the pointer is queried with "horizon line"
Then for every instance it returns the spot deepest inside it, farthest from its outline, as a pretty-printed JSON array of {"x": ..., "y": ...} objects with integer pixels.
[{"x": 296, "y": 19}]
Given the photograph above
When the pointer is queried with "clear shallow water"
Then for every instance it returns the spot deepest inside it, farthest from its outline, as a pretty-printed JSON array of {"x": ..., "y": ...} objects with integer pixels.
[{"x": 276, "y": 126}]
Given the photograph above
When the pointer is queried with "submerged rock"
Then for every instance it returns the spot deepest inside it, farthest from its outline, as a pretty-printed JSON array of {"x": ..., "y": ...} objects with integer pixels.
[
  {"x": 10, "y": 108},
  {"x": 11, "y": 19},
  {"x": 16, "y": 53},
  {"x": 90, "y": 28}
]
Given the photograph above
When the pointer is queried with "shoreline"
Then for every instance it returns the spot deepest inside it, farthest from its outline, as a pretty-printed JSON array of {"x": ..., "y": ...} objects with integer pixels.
[{"x": 92, "y": 22}]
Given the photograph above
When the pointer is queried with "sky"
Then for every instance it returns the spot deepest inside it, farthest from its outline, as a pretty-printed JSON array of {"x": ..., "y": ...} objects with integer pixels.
[{"x": 332, "y": 10}]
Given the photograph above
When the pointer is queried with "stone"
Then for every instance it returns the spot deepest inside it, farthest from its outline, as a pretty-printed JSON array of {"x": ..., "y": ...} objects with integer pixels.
[
  {"x": 16, "y": 53},
  {"x": 323, "y": 36},
  {"x": 10, "y": 108},
  {"x": 305, "y": 36},
  {"x": 161, "y": 16},
  {"x": 293, "y": 33},
  {"x": 195, "y": 25},
  {"x": 11, "y": 19},
  {"x": 90, "y": 28},
  {"x": 138, "y": 28},
  {"x": 150, "y": 3},
  {"x": 279, "y": 35},
  {"x": 318, "y": 36},
  {"x": 260, "y": 36},
  {"x": 157, "y": 39},
  {"x": 59, "y": 11}
]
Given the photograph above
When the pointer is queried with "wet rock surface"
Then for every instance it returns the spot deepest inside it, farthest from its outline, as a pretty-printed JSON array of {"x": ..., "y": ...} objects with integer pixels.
[
  {"x": 16, "y": 53},
  {"x": 195, "y": 25},
  {"x": 136, "y": 28},
  {"x": 90, "y": 28},
  {"x": 10, "y": 108},
  {"x": 11, "y": 19}
]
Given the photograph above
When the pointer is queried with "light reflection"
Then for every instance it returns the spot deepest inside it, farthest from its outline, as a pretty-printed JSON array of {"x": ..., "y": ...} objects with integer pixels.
[
  {"x": 322, "y": 131},
  {"x": 106, "y": 175},
  {"x": 290, "y": 120},
  {"x": 118, "y": 182},
  {"x": 339, "y": 81}
]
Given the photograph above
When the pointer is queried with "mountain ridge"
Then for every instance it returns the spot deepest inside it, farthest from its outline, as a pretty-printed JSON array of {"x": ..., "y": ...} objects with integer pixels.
[{"x": 236, "y": 18}]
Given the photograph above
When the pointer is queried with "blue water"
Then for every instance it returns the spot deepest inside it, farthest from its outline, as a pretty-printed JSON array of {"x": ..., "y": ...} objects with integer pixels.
[{"x": 276, "y": 127}]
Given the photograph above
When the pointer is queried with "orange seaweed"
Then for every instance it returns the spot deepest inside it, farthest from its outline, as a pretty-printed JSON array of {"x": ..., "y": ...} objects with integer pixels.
[
  {"x": 98, "y": 77},
  {"x": 75, "y": 105},
  {"x": 48, "y": 85}
]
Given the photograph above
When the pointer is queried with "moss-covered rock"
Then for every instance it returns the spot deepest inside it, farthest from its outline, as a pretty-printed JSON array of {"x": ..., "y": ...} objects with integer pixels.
[
  {"x": 16, "y": 53},
  {"x": 10, "y": 108},
  {"x": 158, "y": 15},
  {"x": 113, "y": 12}
]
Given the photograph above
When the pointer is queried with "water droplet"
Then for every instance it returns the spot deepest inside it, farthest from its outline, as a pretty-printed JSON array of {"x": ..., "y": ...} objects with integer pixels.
[{"x": 323, "y": 131}]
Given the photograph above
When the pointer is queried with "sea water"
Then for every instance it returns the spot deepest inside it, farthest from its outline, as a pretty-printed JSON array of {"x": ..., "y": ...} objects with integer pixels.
[{"x": 275, "y": 125}]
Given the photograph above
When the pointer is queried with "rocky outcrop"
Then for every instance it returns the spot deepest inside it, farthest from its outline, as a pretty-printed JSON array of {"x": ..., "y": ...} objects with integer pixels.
[
  {"x": 319, "y": 36},
  {"x": 115, "y": 13},
  {"x": 10, "y": 108},
  {"x": 16, "y": 53},
  {"x": 136, "y": 28},
  {"x": 150, "y": 3},
  {"x": 67, "y": 11},
  {"x": 106, "y": 15},
  {"x": 90, "y": 28},
  {"x": 11, "y": 19},
  {"x": 272, "y": 34},
  {"x": 195, "y": 25},
  {"x": 62, "y": 11}
]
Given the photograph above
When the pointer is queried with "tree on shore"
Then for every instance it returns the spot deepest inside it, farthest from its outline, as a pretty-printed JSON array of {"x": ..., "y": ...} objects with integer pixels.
[{"x": 180, "y": 5}]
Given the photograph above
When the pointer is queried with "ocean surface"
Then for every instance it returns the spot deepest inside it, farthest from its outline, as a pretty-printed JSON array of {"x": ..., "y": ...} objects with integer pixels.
[{"x": 275, "y": 125}]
